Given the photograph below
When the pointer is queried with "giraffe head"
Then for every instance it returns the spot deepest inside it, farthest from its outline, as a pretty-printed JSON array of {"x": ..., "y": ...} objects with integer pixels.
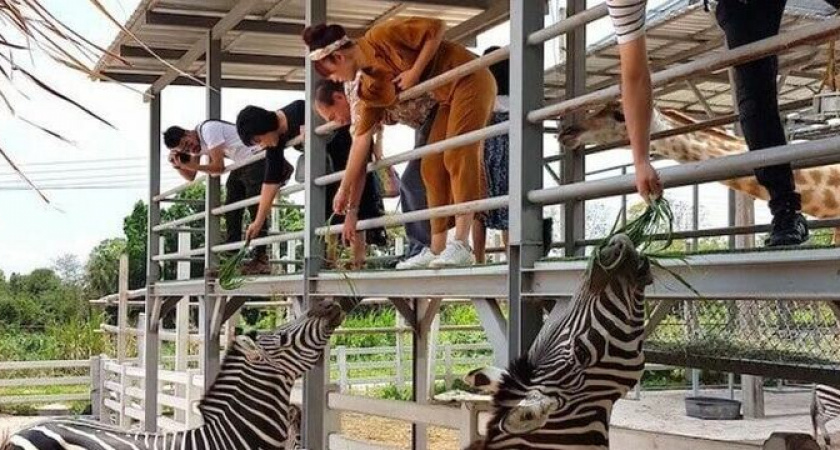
[{"x": 604, "y": 124}]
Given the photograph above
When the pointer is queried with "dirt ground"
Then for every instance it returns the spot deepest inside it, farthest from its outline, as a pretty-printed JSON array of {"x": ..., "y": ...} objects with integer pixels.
[{"x": 393, "y": 432}]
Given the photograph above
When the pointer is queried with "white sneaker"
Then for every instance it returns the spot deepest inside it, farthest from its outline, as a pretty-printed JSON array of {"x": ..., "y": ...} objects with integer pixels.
[
  {"x": 418, "y": 261},
  {"x": 456, "y": 253}
]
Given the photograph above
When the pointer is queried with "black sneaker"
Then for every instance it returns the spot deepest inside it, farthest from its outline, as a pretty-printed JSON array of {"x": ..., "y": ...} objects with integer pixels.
[{"x": 787, "y": 228}]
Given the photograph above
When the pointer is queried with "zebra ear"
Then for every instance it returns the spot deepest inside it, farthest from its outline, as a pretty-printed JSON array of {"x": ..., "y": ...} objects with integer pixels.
[{"x": 486, "y": 379}]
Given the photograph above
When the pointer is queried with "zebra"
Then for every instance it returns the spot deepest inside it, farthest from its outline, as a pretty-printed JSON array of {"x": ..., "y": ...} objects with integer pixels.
[
  {"x": 561, "y": 393},
  {"x": 247, "y": 406},
  {"x": 825, "y": 407}
]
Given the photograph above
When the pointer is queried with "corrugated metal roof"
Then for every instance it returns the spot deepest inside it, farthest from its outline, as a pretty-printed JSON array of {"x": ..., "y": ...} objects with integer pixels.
[
  {"x": 680, "y": 31},
  {"x": 266, "y": 46}
]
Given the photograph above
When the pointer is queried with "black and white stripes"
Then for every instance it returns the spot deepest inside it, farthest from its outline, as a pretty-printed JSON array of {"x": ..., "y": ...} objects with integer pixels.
[
  {"x": 247, "y": 407},
  {"x": 561, "y": 394},
  {"x": 628, "y": 18},
  {"x": 824, "y": 408}
]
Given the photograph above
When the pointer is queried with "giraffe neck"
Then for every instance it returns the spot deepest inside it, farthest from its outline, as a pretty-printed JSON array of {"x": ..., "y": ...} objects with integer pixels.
[{"x": 691, "y": 147}]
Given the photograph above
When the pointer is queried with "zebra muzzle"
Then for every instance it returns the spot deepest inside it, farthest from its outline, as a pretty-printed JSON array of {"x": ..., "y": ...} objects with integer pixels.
[{"x": 530, "y": 414}]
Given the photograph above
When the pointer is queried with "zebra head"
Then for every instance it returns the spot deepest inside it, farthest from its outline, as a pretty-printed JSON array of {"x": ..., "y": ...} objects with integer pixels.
[
  {"x": 295, "y": 347},
  {"x": 250, "y": 400},
  {"x": 560, "y": 394}
]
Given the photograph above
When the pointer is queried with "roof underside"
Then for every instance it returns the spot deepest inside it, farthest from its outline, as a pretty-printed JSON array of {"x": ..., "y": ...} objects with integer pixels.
[
  {"x": 265, "y": 51},
  {"x": 681, "y": 31}
]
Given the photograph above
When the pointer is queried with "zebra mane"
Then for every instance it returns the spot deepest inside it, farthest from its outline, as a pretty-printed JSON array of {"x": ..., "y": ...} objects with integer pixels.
[
  {"x": 229, "y": 375},
  {"x": 515, "y": 384}
]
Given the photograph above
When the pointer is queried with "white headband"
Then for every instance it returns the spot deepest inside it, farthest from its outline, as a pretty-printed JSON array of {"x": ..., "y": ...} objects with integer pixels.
[{"x": 321, "y": 53}]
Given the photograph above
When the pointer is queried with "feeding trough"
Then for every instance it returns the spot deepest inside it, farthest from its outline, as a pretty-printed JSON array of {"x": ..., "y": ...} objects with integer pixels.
[{"x": 712, "y": 408}]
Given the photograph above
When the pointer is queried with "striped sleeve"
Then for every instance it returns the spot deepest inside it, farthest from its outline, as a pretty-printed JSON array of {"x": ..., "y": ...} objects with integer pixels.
[{"x": 628, "y": 18}]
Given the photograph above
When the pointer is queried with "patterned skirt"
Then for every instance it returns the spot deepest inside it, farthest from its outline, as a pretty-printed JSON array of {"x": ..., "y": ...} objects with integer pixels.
[{"x": 496, "y": 173}]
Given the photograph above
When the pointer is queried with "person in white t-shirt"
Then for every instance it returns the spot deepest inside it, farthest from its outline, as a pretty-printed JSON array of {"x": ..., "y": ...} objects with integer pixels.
[{"x": 218, "y": 140}]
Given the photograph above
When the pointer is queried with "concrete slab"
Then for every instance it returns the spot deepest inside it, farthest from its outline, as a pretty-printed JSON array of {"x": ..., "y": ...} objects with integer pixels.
[{"x": 658, "y": 421}]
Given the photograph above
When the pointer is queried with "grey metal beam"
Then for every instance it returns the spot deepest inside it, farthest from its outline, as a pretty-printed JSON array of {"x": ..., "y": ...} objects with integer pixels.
[
  {"x": 182, "y": 20},
  {"x": 495, "y": 326},
  {"x": 129, "y": 51},
  {"x": 497, "y": 12},
  {"x": 659, "y": 312},
  {"x": 151, "y": 339},
  {"x": 139, "y": 78},
  {"x": 574, "y": 162},
  {"x": 793, "y": 371},
  {"x": 526, "y": 174},
  {"x": 406, "y": 310},
  {"x": 217, "y": 31},
  {"x": 802, "y": 274},
  {"x": 421, "y": 364},
  {"x": 315, "y": 381},
  {"x": 213, "y": 236}
]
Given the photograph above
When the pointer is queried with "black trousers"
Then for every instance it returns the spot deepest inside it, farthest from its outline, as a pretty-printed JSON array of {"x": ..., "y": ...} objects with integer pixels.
[
  {"x": 744, "y": 22},
  {"x": 243, "y": 183}
]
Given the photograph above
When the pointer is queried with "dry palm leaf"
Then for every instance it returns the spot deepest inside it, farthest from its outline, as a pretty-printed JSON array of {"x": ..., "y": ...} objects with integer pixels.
[{"x": 22, "y": 176}]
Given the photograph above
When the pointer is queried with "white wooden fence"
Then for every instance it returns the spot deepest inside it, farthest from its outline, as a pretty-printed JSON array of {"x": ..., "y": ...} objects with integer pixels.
[
  {"x": 395, "y": 361},
  {"x": 49, "y": 373}
]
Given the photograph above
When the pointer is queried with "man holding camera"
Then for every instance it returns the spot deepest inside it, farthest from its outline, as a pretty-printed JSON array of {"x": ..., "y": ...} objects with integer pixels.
[{"x": 218, "y": 140}]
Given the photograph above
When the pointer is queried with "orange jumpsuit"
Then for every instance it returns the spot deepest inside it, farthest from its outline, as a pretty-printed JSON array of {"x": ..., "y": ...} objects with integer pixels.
[{"x": 465, "y": 105}]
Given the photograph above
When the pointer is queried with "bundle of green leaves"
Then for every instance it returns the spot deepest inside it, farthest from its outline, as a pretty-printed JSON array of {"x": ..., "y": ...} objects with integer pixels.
[
  {"x": 657, "y": 219},
  {"x": 230, "y": 273}
]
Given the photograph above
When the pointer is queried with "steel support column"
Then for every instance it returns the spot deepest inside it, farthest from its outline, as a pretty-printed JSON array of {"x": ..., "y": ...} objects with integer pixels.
[
  {"x": 213, "y": 235},
  {"x": 526, "y": 174},
  {"x": 742, "y": 207},
  {"x": 315, "y": 381},
  {"x": 151, "y": 339},
  {"x": 574, "y": 160},
  {"x": 422, "y": 365}
]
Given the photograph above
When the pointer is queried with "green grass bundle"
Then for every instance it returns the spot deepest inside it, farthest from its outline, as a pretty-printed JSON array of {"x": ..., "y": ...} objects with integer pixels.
[
  {"x": 657, "y": 219},
  {"x": 230, "y": 274}
]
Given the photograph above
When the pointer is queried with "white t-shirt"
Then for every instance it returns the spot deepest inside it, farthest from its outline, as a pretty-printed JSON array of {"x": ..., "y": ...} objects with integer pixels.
[{"x": 214, "y": 133}]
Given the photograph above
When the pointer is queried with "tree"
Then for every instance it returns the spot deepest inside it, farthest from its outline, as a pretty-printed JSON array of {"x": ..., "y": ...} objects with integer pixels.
[
  {"x": 69, "y": 269},
  {"x": 102, "y": 269},
  {"x": 38, "y": 282},
  {"x": 134, "y": 227}
]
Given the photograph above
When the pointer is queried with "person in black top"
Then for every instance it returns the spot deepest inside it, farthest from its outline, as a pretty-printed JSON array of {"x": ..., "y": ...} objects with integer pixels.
[
  {"x": 271, "y": 131},
  {"x": 332, "y": 105},
  {"x": 744, "y": 22}
]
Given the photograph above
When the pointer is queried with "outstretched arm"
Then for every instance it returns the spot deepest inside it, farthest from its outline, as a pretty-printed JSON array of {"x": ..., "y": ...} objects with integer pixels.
[
  {"x": 638, "y": 106},
  {"x": 267, "y": 194},
  {"x": 354, "y": 173}
]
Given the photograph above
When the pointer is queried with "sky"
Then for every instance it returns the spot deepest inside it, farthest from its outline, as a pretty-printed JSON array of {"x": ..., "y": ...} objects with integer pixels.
[{"x": 113, "y": 163}]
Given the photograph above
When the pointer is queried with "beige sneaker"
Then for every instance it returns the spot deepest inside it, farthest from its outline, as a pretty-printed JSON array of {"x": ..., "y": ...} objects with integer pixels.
[{"x": 456, "y": 254}]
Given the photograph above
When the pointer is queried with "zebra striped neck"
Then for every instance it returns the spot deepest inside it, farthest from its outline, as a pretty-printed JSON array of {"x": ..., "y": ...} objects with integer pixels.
[{"x": 560, "y": 395}]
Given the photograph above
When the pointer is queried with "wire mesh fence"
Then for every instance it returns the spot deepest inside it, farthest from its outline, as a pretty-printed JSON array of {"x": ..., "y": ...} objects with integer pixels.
[{"x": 797, "y": 340}]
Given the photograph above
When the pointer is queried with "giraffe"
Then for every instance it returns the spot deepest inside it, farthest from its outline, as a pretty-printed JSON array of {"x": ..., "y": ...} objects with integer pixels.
[{"x": 819, "y": 186}]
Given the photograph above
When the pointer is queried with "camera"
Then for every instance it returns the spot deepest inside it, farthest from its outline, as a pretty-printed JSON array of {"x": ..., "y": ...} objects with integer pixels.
[{"x": 182, "y": 157}]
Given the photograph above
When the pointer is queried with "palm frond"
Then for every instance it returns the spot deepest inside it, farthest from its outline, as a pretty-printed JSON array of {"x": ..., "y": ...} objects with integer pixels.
[
  {"x": 128, "y": 32},
  {"x": 47, "y": 88},
  {"x": 54, "y": 134},
  {"x": 23, "y": 176}
]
